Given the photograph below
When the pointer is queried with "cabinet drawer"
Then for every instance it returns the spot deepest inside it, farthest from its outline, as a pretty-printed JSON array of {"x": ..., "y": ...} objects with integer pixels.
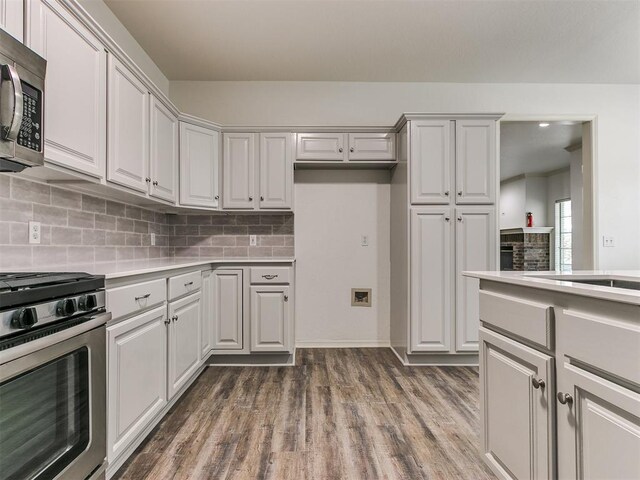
[
  {"x": 524, "y": 318},
  {"x": 267, "y": 275},
  {"x": 609, "y": 345},
  {"x": 123, "y": 301},
  {"x": 183, "y": 284}
]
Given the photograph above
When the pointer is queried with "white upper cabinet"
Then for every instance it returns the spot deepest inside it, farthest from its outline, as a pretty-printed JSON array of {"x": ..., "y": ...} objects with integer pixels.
[
  {"x": 475, "y": 251},
  {"x": 76, "y": 96},
  {"x": 199, "y": 166},
  {"x": 163, "y": 167},
  {"x": 517, "y": 404},
  {"x": 128, "y": 162},
  {"x": 12, "y": 17},
  {"x": 276, "y": 171},
  {"x": 430, "y": 162},
  {"x": 321, "y": 147},
  {"x": 431, "y": 279},
  {"x": 271, "y": 316},
  {"x": 238, "y": 170},
  {"x": 475, "y": 161},
  {"x": 372, "y": 146}
]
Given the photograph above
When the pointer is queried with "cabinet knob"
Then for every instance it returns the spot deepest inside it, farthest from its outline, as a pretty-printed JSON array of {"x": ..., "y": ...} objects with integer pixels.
[
  {"x": 537, "y": 383},
  {"x": 340, "y": 149},
  {"x": 446, "y": 194},
  {"x": 286, "y": 298},
  {"x": 155, "y": 183},
  {"x": 147, "y": 179},
  {"x": 217, "y": 197},
  {"x": 460, "y": 193},
  {"x": 460, "y": 219},
  {"x": 261, "y": 198},
  {"x": 565, "y": 398},
  {"x": 174, "y": 318},
  {"x": 167, "y": 321},
  {"x": 251, "y": 199},
  {"x": 446, "y": 219},
  {"x": 352, "y": 150}
]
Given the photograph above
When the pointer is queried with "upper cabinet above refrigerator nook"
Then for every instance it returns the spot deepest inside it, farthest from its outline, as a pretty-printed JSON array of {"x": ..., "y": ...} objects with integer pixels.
[
  {"x": 453, "y": 159},
  {"x": 346, "y": 149}
]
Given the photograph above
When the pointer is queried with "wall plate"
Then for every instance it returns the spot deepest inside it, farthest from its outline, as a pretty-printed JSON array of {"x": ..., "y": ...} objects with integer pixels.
[{"x": 360, "y": 297}]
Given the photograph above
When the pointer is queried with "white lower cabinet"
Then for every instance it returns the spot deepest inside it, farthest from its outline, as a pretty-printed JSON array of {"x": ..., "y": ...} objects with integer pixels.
[
  {"x": 271, "y": 315},
  {"x": 184, "y": 340},
  {"x": 516, "y": 407},
  {"x": 137, "y": 376},
  {"x": 598, "y": 427},
  {"x": 227, "y": 309}
]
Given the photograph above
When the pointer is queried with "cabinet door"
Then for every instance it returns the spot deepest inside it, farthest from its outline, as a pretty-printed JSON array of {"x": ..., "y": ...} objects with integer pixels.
[
  {"x": 517, "y": 432},
  {"x": 431, "y": 279},
  {"x": 475, "y": 161},
  {"x": 328, "y": 147},
  {"x": 163, "y": 166},
  {"x": 206, "y": 325},
  {"x": 227, "y": 310},
  {"x": 372, "y": 146},
  {"x": 430, "y": 161},
  {"x": 11, "y": 17},
  {"x": 128, "y": 161},
  {"x": 271, "y": 314},
  {"x": 475, "y": 250},
  {"x": 199, "y": 166},
  {"x": 184, "y": 340},
  {"x": 137, "y": 376},
  {"x": 75, "y": 109},
  {"x": 598, "y": 429},
  {"x": 276, "y": 171},
  {"x": 238, "y": 170}
]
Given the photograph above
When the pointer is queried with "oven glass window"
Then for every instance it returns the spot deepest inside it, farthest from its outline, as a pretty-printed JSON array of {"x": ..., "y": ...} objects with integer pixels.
[{"x": 44, "y": 418}]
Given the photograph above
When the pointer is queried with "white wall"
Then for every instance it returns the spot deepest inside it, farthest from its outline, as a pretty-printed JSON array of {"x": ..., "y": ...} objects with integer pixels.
[
  {"x": 513, "y": 203},
  {"x": 536, "y": 201},
  {"x": 558, "y": 188},
  {"x": 333, "y": 209},
  {"x": 577, "y": 210},
  {"x": 617, "y": 108},
  {"x": 110, "y": 23}
]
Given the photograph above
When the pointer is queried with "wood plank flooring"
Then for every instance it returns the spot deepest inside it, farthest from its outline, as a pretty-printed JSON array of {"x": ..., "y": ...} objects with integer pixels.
[{"x": 339, "y": 414}]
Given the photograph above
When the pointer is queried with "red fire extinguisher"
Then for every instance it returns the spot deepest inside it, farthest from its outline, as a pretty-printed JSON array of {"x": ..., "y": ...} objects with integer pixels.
[{"x": 529, "y": 219}]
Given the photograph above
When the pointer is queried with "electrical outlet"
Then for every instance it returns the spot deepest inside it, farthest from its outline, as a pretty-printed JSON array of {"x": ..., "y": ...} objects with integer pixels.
[
  {"x": 34, "y": 232},
  {"x": 253, "y": 240},
  {"x": 608, "y": 241},
  {"x": 364, "y": 240},
  {"x": 153, "y": 239}
]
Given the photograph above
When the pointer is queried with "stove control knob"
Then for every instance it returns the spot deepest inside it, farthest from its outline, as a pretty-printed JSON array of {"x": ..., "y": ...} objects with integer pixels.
[
  {"x": 87, "y": 302},
  {"x": 66, "y": 307},
  {"x": 24, "y": 318}
]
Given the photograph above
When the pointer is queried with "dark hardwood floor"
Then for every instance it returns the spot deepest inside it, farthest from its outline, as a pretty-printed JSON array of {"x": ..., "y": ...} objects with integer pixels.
[{"x": 339, "y": 414}]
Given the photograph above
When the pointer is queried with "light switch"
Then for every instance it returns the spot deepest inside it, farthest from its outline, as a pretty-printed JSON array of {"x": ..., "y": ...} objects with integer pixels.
[
  {"x": 608, "y": 241},
  {"x": 253, "y": 241},
  {"x": 364, "y": 241}
]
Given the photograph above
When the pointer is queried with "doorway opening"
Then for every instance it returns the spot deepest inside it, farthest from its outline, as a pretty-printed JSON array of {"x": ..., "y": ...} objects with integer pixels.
[{"x": 546, "y": 204}]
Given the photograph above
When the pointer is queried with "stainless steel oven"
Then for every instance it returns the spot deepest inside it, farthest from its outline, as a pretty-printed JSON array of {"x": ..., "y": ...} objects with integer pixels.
[
  {"x": 53, "y": 389},
  {"x": 22, "y": 74}
]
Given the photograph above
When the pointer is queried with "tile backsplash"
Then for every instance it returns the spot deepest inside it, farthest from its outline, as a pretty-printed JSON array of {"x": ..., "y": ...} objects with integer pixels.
[{"x": 80, "y": 228}]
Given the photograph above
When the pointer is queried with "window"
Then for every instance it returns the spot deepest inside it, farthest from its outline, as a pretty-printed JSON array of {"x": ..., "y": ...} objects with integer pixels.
[{"x": 563, "y": 235}]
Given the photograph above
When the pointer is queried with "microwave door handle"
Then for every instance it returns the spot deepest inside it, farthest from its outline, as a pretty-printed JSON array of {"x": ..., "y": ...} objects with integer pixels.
[{"x": 11, "y": 131}]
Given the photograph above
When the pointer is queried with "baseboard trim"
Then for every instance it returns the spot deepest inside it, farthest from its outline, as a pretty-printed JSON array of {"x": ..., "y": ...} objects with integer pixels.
[
  {"x": 342, "y": 344},
  {"x": 254, "y": 360}
]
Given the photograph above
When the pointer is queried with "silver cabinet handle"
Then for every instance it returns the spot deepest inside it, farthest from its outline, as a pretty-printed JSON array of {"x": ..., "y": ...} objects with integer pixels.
[
  {"x": 188, "y": 284},
  {"x": 11, "y": 128},
  {"x": 167, "y": 321},
  {"x": 537, "y": 383},
  {"x": 340, "y": 149},
  {"x": 446, "y": 194},
  {"x": 142, "y": 297},
  {"x": 269, "y": 277},
  {"x": 286, "y": 298},
  {"x": 460, "y": 193},
  {"x": 564, "y": 398},
  {"x": 174, "y": 318}
]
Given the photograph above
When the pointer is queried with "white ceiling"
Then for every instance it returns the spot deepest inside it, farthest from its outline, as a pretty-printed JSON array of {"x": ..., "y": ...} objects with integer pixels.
[
  {"x": 525, "y": 147},
  {"x": 539, "y": 41}
]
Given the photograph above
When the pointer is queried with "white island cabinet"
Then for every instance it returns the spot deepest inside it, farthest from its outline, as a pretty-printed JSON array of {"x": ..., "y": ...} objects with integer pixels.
[{"x": 560, "y": 375}]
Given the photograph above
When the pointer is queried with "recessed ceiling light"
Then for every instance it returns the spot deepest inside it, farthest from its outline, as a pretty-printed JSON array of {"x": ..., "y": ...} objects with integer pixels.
[{"x": 543, "y": 124}]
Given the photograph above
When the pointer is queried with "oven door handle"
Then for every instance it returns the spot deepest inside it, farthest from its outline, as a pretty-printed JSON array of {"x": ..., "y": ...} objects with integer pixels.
[
  {"x": 28, "y": 348},
  {"x": 11, "y": 128}
]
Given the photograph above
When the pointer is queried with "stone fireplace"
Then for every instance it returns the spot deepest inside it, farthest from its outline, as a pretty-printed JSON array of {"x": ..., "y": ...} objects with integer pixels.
[{"x": 526, "y": 249}]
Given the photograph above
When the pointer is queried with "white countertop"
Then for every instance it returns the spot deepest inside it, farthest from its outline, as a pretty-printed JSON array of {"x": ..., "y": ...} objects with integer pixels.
[
  {"x": 129, "y": 268},
  {"x": 563, "y": 282}
]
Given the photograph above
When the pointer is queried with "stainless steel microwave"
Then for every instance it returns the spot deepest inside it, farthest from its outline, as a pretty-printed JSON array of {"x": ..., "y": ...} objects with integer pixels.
[{"x": 22, "y": 74}]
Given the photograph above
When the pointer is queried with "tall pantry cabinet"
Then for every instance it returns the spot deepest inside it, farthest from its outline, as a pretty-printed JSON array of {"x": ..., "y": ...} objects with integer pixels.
[{"x": 443, "y": 208}]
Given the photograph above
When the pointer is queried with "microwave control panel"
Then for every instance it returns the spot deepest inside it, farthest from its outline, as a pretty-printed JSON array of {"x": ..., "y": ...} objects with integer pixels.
[{"x": 30, "y": 135}]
